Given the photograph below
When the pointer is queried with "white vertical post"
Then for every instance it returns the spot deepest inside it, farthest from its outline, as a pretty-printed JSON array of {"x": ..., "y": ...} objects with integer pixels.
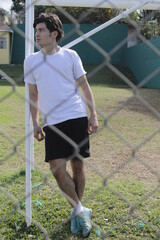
[
  {"x": 32, "y": 50},
  {"x": 29, "y": 126}
]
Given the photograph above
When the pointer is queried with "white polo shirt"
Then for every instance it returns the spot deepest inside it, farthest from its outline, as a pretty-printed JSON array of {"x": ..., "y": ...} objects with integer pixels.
[{"x": 55, "y": 76}]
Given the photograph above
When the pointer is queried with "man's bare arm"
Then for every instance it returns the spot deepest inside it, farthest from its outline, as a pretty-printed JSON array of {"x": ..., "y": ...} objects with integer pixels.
[
  {"x": 34, "y": 107},
  {"x": 89, "y": 99}
]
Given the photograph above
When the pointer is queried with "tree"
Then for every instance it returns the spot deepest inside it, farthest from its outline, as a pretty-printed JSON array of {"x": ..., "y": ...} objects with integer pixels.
[
  {"x": 19, "y": 7},
  {"x": 146, "y": 22},
  {"x": 82, "y": 14},
  {"x": 2, "y": 15},
  {"x": 149, "y": 23}
]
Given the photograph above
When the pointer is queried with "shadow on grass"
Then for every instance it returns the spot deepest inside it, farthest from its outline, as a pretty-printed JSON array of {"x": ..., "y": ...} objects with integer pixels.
[
  {"x": 103, "y": 77},
  {"x": 9, "y": 180},
  {"x": 16, "y": 228},
  {"x": 63, "y": 232},
  {"x": 14, "y": 71},
  {"x": 108, "y": 78}
]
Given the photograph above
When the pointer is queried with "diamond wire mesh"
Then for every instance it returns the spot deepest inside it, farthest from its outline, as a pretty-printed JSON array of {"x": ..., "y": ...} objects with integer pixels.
[{"x": 106, "y": 119}]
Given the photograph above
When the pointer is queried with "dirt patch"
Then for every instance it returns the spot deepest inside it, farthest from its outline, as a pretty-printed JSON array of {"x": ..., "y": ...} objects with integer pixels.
[{"x": 129, "y": 146}]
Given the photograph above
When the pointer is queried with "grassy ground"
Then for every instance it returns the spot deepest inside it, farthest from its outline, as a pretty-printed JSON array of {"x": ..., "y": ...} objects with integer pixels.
[{"x": 122, "y": 185}]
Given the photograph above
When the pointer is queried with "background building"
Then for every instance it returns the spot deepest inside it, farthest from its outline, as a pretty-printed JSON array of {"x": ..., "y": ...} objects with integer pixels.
[{"x": 5, "y": 44}]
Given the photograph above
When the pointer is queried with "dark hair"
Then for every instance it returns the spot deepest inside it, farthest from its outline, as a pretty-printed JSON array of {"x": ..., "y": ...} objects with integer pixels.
[{"x": 52, "y": 22}]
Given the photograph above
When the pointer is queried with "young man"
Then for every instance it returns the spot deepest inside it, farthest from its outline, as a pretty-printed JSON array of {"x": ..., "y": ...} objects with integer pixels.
[{"x": 53, "y": 75}]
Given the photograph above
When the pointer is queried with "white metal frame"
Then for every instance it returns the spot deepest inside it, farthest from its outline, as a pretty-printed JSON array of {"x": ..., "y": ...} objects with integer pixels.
[{"x": 130, "y": 5}]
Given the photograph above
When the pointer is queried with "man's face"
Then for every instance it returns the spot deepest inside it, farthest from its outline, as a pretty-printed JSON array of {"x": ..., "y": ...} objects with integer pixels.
[{"x": 43, "y": 35}]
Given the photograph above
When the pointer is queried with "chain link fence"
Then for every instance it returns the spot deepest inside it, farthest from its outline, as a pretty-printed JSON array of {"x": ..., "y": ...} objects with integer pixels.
[{"x": 121, "y": 149}]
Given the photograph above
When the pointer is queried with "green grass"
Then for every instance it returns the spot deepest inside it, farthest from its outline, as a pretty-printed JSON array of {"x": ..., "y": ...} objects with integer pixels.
[
  {"x": 110, "y": 211},
  {"x": 109, "y": 194}
]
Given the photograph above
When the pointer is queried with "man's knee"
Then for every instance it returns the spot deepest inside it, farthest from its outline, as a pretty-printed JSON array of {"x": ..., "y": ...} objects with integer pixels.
[
  {"x": 58, "y": 167},
  {"x": 77, "y": 166}
]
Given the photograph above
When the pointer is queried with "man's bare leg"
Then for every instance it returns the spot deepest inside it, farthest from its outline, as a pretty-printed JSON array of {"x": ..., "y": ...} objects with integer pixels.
[
  {"x": 67, "y": 185},
  {"x": 64, "y": 181},
  {"x": 78, "y": 177},
  {"x": 84, "y": 217}
]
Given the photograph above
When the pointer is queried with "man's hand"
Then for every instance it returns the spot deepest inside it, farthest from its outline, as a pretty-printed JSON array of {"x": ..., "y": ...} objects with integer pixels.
[
  {"x": 38, "y": 134},
  {"x": 92, "y": 124}
]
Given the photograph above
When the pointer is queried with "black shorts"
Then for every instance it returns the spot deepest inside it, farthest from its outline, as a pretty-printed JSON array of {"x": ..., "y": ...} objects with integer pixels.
[{"x": 56, "y": 146}]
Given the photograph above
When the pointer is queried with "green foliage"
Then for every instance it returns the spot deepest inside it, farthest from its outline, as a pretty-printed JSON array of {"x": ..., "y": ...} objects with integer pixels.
[
  {"x": 18, "y": 5},
  {"x": 2, "y": 15},
  {"x": 149, "y": 23},
  {"x": 83, "y": 15},
  {"x": 147, "y": 20},
  {"x": 150, "y": 29}
]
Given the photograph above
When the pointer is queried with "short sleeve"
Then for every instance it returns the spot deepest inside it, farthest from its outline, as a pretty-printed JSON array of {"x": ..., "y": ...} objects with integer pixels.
[
  {"x": 28, "y": 75},
  {"x": 78, "y": 68}
]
